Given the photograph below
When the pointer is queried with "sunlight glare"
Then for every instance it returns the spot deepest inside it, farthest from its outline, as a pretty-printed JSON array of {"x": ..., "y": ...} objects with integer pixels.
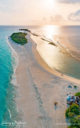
[
  {"x": 50, "y": 4},
  {"x": 50, "y": 31}
]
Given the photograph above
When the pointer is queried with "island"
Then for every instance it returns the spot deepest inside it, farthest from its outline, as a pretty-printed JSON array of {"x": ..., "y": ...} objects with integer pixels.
[{"x": 19, "y": 38}]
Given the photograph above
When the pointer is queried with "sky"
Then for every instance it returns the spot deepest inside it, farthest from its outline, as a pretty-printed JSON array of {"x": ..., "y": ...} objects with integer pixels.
[{"x": 39, "y": 12}]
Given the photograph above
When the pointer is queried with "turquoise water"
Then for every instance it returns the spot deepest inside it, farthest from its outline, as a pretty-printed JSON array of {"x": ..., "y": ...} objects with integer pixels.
[
  {"x": 8, "y": 112},
  {"x": 59, "y": 61}
]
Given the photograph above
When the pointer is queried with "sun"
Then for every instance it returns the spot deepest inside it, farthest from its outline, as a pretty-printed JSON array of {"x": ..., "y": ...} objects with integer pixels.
[{"x": 50, "y": 3}]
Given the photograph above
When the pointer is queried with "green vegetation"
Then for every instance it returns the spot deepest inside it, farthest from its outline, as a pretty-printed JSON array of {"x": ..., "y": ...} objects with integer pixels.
[
  {"x": 77, "y": 94},
  {"x": 19, "y": 38},
  {"x": 73, "y": 114},
  {"x": 73, "y": 110},
  {"x": 75, "y": 122}
]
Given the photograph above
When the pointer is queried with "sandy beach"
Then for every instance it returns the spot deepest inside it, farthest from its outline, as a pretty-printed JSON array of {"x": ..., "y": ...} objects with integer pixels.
[{"x": 39, "y": 87}]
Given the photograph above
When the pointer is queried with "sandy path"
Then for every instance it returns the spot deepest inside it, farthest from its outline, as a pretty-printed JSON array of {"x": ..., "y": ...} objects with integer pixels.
[{"x": 38, "y": 90}]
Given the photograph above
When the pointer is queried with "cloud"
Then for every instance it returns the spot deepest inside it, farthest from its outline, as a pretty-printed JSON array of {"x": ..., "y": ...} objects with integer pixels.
[
  {"x": 74, "y": 16},
  {"x": 57, "y": 18},
  {"x": 69, "y": 1}
]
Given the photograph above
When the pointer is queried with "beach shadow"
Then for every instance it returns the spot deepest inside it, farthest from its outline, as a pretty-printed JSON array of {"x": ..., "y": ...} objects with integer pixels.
[{"x": 55, "y": 105}]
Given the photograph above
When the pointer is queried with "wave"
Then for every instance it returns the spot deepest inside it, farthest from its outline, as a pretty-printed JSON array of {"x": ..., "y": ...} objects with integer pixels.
[
  {"x": 11, "y": 113},
  {"x": 15, "y": 62}
]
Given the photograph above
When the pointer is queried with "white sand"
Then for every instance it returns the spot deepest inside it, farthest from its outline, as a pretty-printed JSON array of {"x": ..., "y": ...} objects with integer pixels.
[{"x": 38, "y": 88}]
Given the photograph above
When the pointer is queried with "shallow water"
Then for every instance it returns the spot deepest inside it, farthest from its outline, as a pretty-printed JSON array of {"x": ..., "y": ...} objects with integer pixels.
[{"x": 52, "y": 55}]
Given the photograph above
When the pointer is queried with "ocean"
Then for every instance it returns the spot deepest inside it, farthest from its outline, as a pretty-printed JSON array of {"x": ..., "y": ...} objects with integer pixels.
[
  {"x": 69, "y": 37},
  {"x": 8, "y": 111},
  {"x": 51, "y": 55}
]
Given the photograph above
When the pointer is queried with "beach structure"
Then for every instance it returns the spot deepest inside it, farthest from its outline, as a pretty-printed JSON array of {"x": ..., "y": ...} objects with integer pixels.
[{"x": 73, "y": 99}]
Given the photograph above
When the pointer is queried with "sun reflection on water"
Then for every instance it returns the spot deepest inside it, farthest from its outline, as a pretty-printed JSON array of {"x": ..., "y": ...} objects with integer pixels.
[
  {"x": 52, "y": 55},
  {"x": 48, "y": 52},
  {"x": 50, "y": 31}
]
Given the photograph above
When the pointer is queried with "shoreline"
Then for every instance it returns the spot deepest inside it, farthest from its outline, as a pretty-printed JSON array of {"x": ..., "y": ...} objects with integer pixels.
[
  {"x": 37, "y": 94},
  {"x": 52, "y": 71},
  {"x": 69, "y": 49},
  {"x": 41, "y": 62},
  {"x": 14, "y": 82},
  {"x": 15, "y": 62}
]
